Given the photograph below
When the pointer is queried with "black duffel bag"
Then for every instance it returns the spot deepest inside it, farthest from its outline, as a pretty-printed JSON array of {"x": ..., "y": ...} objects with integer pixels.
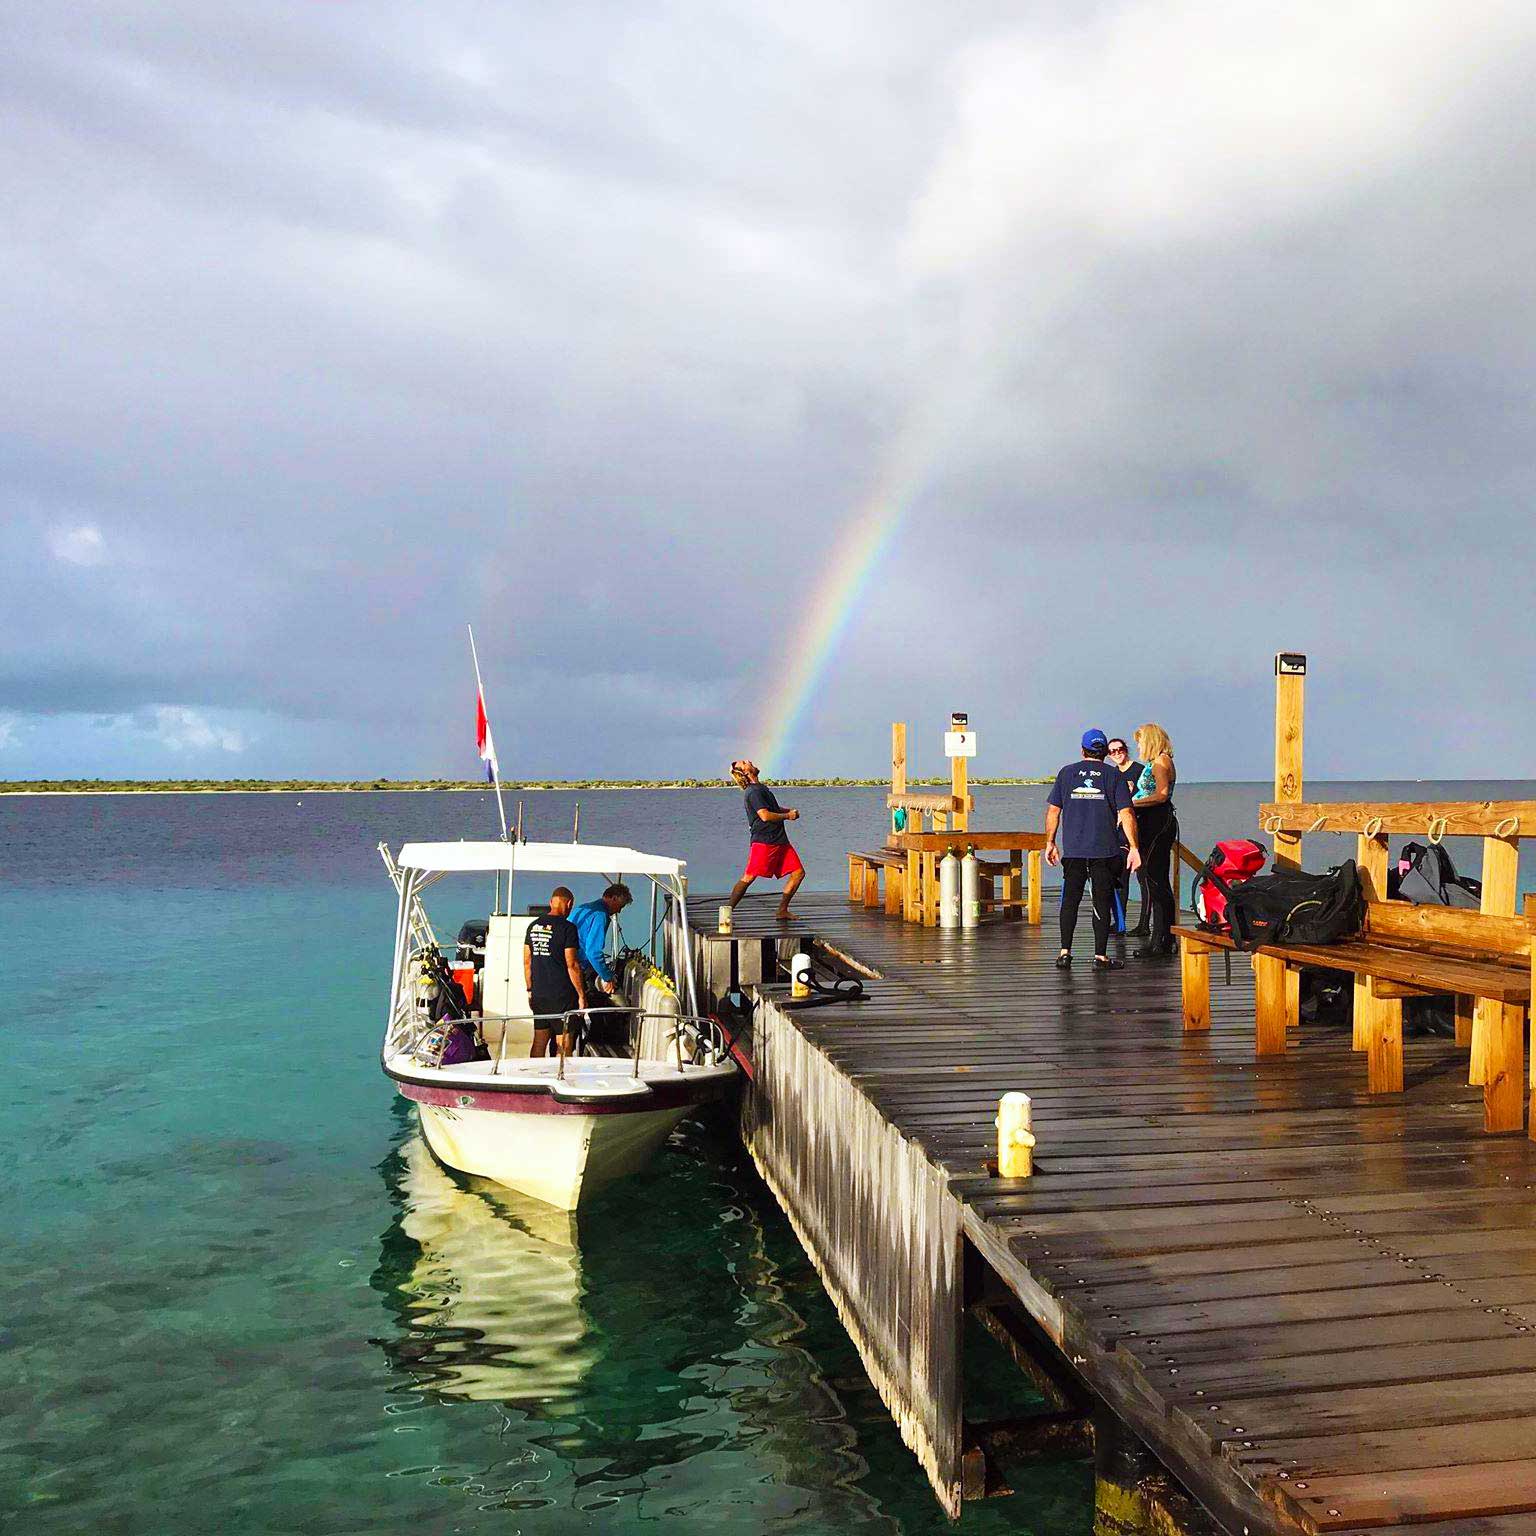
[{"x": 1293, "y": 907}]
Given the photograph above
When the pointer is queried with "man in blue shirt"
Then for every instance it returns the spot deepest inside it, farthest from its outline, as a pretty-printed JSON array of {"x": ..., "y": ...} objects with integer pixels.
[
  {"x": 1086, "y": 805},
  {"x": 592, "y": 919}
]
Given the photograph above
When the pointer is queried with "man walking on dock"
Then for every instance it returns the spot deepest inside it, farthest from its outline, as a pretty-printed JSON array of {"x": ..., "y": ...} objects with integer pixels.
[
  {"x": 771, "y": 855},
  {"x": 1087, "y": 803}
]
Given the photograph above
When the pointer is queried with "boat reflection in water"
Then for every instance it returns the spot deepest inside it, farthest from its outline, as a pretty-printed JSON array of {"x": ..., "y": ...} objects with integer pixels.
[
  {"x": 681, "y": 1364},
  {"x": 492, "y": 1304}
]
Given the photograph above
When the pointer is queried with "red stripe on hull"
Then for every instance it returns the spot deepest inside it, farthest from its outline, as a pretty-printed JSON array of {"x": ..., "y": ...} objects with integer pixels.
[{"x": 666, "y": 1096}]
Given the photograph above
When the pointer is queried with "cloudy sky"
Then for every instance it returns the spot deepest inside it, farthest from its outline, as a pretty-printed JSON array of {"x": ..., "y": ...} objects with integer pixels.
[{"x": 1192, "y": 330}]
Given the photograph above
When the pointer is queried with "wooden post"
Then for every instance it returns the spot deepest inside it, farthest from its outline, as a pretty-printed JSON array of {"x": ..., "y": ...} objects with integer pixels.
[
  {"x": 1464, "y": 1023},
  {"x": 1532, "y": 1012},
  {"x": 899, "y": 768},
  {"x": 1290, "y": 701},
  {"x": 1501, "y": 876},
  {"x": 1504, "y": 1085},
  {"x": 1013, "y": 886},
  {"x": 871, "y": 885},
  {"x": 1269, "y": 1005},
  {"x": 1195, "y": 984},
  {"x": 855, "y": 877},
  {"x": 1290, "y": 708},
  {"x": 1384, "y": 1070},
  {"x": 960, "y": 777},
  {"x": 1034, "y": 886},
  {"x": 912, "y": 889},
  {"x": 1371, "y": 859}
]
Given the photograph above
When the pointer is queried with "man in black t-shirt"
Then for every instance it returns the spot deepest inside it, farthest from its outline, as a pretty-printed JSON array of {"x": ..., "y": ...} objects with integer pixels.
[
  {"x": 1090, "y": 806},
  {"x": 770, "y": 855},
  {"x": 552, "y": 971}
]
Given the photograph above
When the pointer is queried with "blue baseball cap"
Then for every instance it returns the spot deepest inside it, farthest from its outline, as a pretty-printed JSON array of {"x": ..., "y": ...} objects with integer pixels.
[{"x": 1095, "y": 741}]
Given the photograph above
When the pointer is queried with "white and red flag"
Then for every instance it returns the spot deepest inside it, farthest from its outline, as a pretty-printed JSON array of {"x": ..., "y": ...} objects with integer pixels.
[{"x": 483, "y": 738}]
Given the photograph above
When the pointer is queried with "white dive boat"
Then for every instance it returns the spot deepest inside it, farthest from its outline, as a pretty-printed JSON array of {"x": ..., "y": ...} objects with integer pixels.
[{"x": 557, "y": 1128}]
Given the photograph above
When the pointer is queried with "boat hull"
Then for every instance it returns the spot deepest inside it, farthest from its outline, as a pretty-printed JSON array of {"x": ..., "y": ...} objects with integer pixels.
[
  {"x": 561, "y": 1159},
  {"x": 558, "y": 1132}
]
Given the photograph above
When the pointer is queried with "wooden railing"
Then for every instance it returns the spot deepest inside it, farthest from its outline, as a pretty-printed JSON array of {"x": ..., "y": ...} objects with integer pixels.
[
  {"x": 1507, "y": 820},
  {"x": 1181, "y": 857}
]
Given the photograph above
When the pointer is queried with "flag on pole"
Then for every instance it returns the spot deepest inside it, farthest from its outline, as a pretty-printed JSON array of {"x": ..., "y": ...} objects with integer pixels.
[{"x": 483, "y": 738}]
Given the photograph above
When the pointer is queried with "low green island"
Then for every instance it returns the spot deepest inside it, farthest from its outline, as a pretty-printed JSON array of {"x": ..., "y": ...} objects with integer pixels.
[{"x": 368, "y": 786}]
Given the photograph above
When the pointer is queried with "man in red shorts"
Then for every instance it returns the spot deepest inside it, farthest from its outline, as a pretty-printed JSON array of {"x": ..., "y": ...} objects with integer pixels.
[{"x": 771, "y": 857}]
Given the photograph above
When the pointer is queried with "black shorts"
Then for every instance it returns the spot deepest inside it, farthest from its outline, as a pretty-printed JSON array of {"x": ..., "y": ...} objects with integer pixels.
[{"x": 539, "y": 1006}]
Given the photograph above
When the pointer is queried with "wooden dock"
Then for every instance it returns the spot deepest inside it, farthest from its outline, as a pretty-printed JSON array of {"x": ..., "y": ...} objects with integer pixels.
[{"x": 1316, "y": 1308}]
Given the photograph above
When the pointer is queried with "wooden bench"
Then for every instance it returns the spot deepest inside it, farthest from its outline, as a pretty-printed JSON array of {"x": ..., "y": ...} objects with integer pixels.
[
  {"x": 1403, "y": 951},
  {"x": 864, "y": 870}
]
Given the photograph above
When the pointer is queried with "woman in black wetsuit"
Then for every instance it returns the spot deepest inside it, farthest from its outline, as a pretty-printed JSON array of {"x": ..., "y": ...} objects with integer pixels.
[{"x": 1157, "y": 829}]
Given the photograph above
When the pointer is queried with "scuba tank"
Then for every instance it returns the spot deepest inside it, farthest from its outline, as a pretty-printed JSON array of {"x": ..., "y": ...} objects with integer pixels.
[
  {"x": 949, "y": 891},
  {"x": 970, "y": 890}
]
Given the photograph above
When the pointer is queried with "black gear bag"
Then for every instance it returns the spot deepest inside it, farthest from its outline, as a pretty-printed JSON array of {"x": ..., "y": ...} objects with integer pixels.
[{"x": 1293, "y": 907}]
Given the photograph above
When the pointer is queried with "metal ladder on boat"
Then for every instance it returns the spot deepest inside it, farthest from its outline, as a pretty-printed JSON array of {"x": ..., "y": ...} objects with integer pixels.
[{"x": 422, "y": 932}]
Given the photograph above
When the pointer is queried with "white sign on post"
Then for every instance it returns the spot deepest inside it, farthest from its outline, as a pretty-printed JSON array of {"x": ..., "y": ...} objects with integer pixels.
[{"x": 959, "y": 743}]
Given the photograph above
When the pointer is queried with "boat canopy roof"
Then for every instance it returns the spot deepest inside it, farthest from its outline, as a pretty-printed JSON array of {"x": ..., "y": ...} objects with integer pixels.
[{"x": 539, "y": 858}]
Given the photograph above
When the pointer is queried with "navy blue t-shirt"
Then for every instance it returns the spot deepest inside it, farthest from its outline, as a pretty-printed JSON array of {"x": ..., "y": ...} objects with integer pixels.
[
  {"x": 547, "y": 939},
  {"x": 760, "y": 798},
  {"x": 1090, "y": 797}
]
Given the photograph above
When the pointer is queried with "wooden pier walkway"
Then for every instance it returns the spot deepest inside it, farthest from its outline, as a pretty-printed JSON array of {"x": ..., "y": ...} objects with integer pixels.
[{"x": 1317, "y": 1308}]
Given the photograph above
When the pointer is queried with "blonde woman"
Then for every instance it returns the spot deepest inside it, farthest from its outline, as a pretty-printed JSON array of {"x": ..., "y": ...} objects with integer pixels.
[{"x": 1157, "y": 829}]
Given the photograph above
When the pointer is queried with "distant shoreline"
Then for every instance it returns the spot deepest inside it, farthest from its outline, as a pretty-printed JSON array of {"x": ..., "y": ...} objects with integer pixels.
[{"x": 429, "y": 786}]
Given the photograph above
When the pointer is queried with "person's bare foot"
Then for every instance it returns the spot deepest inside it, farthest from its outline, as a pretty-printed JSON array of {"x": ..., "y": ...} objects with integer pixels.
[{"x": 783, "y": 915}]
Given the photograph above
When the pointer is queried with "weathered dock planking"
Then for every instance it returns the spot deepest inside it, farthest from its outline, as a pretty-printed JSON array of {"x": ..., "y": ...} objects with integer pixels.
[{"x": 1316, "y": 1307}]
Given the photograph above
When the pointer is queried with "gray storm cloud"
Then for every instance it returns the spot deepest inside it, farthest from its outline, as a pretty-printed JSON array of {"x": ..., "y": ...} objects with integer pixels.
[{"x": 332, "y": 327}]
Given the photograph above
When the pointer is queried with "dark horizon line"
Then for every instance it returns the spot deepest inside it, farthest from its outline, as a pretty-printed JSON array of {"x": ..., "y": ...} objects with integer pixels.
[{"x": 554, "y": 785}]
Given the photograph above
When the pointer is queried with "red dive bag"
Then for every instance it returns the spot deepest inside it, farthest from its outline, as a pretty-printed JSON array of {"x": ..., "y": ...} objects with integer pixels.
[{"x": 1231, "y": 863}]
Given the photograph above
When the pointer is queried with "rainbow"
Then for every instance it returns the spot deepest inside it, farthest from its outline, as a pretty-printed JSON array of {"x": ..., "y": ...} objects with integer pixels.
[{"x": 838, "y": 595}]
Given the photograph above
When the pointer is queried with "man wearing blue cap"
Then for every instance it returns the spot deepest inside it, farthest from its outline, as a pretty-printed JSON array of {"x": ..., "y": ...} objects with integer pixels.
[{"x": 1088, "y": 801}]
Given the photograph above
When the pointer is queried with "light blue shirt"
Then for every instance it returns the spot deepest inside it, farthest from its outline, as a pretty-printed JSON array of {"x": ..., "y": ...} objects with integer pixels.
[{"x": 591, "y": 920}]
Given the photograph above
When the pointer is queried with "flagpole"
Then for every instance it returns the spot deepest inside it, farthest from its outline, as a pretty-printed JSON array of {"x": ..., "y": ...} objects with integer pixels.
[{"x": 501, "y": 810}]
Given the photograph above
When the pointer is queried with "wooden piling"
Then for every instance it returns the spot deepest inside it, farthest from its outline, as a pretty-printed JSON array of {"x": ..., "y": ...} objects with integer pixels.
[
  {"x": 1503, "y": 1105},
  {"x": 1290, "y": 709},
  {"x": 1290, "y": 704},
  {"x": 959, "y": 789},
  {"x": 1371, "y": 860}
]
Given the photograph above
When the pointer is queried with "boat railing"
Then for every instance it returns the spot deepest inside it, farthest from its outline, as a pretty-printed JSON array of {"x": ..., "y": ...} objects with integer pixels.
[
  {"x": 701, "y": 1038},
  {"x": 707, "y": 1044}
]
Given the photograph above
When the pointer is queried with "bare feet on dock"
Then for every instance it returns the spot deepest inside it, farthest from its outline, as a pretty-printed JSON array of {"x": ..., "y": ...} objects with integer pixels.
[{"x": 783, "y": 915}]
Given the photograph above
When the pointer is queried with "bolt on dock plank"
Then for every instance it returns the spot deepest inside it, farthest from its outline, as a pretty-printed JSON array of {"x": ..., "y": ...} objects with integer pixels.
[{"x": 1316, "y": 1307}]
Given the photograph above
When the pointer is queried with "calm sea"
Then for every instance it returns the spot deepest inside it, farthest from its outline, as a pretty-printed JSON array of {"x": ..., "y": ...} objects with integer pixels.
[{"x": 236, "y": 1294}]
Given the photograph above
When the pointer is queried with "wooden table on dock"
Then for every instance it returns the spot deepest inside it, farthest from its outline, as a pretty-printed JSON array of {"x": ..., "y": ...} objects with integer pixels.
[
  {"x": 1318, "y": 1308},
  {"x": 1020, "y": 866}
]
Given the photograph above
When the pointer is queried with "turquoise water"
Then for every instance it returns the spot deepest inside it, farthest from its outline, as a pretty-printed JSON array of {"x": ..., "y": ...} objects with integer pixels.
[{"x": 235, "y": 1293}]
